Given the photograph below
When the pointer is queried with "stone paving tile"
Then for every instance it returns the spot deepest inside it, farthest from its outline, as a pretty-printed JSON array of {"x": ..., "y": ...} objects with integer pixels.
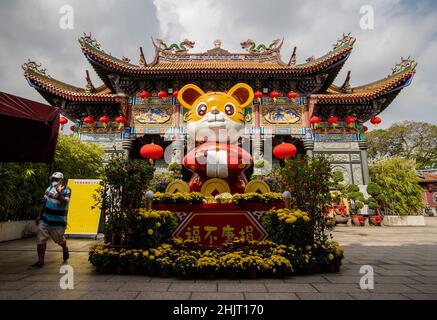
[
  {"x": 15, "y": 294},
  {"x": 242, "y": 287},
  {"x": 12, "y": 285},
  {"x": 164, "y": 296},
  {"x": 144, "y": 286},
  {"x": 217, "y": 296},
  {"x": 337, "y": 288},
  {"x": 421, "y": 296},
  {"x": 425, "y": 288},
  {"x": 343, "y": 279},
  {"x": 12, "y": 276},
  {"x": 110, "y": 295},
  {"x": 270, "y": 296},
  {"x": 98, "y": 285},
  {"x": 45, "y": 285},
  {"x": 425, "y": 280},
  {"x": 323, "y": 296},
  {"x": 171, "y": 280},
  {"x": 128, "y": 278},
  {"x": 399, "y": 267},
  {"x": 194, "y": 287},
  {"x": 430, "y": 267},
  {"x": 290, "y": 287},
  {"x": 427, "y": 273},
  {"x": 44, "y": 277},
  {"x": 306, "y": 279},
  {"x": 393, "y": 288},
  {"x": 406, "y": 273},
  {"x": 379, "y": 296},
  {"x": 56, "y": 295},
  {"x": 91, "y": 278}
]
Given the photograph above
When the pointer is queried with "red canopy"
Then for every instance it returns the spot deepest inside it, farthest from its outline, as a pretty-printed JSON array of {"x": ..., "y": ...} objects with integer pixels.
[{"x": 28, "y": 130}]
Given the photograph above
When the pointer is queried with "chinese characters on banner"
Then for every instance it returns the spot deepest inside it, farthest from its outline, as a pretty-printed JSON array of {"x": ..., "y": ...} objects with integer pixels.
[{"x": 215, "y": 229}]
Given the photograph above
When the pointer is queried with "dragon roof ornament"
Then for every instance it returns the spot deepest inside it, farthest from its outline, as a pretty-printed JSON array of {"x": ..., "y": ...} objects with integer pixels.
[
  {"x": 87, "y": 39},
  {"x": 250, "y": 46},
  {"x": 345, "y": 40},
  {"x": 181, "y": 47},
  {"x": 35, "y": 67},
  {"x": 403, "y": 65}
]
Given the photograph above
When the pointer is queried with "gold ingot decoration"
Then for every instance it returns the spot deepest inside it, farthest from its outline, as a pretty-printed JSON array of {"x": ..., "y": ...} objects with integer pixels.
[
  {"x": 257, "y": 186},
  {"x": 177, "y": 186},
  {"x": 214, "y": 186}
]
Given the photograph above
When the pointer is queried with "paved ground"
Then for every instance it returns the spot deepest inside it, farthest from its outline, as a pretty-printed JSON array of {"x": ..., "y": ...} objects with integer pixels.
[{"x": 404, "y": 260}]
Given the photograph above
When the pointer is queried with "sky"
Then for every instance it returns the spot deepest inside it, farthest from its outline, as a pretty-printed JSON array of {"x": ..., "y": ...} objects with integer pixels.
[{"x": 31, "y": 29}]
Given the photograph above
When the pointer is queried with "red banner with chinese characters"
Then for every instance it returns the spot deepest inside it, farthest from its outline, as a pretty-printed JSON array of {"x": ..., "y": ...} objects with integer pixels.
[{"x": 214, "y": 229}]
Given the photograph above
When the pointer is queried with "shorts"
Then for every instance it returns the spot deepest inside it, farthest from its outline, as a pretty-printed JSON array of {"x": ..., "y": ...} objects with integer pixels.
[{"x": 43, "y": 234}]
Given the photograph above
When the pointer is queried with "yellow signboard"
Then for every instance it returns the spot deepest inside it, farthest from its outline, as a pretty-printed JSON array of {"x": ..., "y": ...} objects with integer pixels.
[{"x": 82, "y": 218}]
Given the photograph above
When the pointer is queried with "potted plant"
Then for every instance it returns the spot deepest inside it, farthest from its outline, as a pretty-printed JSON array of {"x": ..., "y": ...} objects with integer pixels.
[
  {"x": 165, "y": 265},
  {"x": 207, "y": 267},
  {"x": 185, "y": 265}
]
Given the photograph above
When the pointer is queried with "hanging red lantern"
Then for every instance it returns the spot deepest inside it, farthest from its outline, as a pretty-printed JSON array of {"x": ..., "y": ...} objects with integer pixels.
[
  {"x": 144, "y": 94},
  {"x": 88, "y": 120},
  {"x": 151, "y": 151},
  {"x": 315, "y": 121},
  {"x": 284, "y": 150},
  {"x": 63, "y": 121},
  {"x": 72, "y": 127},
  {"x": 121, "y": 120},
  {"x": 365, "y": 128},
  {"x": 350, "y": 121},
  {"x": 333, "y": 120},
  {"x": 258, "y": 95},
  {"x": 104, "y": 120},
  {"x": 162, "y": 94},
  {"x": 292, "y": 95},
  {"x": 375, "y": 121},
  {"x": 175, "y": 93},
  {"x": 429, "y": 186},
  {"x": 274, "y": 95}
]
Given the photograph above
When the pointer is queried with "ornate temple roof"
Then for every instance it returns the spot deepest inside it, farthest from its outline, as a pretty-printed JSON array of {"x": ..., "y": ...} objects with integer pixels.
[
  {"x": 260, "y": 60},
  {"x": 51, "y": 88},
  {"x": 400, "y": 77}
]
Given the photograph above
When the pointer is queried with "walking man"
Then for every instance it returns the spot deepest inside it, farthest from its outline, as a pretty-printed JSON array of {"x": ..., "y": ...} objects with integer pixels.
[{"x": 52, "y": 220}]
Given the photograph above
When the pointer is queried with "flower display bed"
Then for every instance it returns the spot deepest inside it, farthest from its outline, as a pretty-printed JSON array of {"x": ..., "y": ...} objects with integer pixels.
[{"x": 238, "y": 259}]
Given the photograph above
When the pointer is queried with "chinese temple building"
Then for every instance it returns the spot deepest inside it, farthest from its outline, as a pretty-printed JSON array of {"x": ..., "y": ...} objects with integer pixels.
[{"x": 294, "y": 103}]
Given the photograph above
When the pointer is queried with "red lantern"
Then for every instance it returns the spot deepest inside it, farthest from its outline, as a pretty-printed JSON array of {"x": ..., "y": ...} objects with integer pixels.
[
  {"x": 350, "y": 121},
  {"x": 274, "y": 95},
  {"x": 175, "y": 93},
  {"x": 63, "y": 121},
  {"x": 144, "y": 95},
  {"x": 151, "y": 151},
  {"x": 284, "y": 150},
  {"x": 292, "y": 95},
  {"x": 258, "y": 95},
  {"x": 121, "y": 120},
  {"x": 72, "y": 127},
  {"x": 375, "y": 121},
  {"x": 315, "y": 121},
  {"x": 333, "y": 120},
  {"x": 88, "y": 120},
  {"x": 104, "y": 120},
  {"x": 429, "y": 186},
  {"x": 162, "y": 94},
  {"x": 365, "y": 128}
]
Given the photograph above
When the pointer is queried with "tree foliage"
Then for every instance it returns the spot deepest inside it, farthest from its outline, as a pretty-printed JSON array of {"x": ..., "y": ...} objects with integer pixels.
[
  {"x": 411, "y": 140},
  {"x": 23, "y": 184},
  {"x": 400, "y": 193}
]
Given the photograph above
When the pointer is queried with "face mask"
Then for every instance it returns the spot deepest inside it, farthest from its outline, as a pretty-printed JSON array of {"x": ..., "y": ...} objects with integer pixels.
[{"x": 55, "y": 183}]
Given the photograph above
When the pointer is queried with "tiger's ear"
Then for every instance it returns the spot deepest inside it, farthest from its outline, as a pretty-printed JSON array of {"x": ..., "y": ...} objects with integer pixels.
[
  {"x": 188, "y": 94},
  {"x": 243, "y": 93}
]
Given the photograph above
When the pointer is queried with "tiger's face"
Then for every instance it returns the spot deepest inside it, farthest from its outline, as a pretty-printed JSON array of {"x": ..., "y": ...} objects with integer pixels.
[{"x": 215, "y": 115}]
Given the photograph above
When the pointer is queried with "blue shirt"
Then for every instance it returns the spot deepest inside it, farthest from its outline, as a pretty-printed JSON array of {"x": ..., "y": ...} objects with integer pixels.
[{"x": 55, "y": 214}]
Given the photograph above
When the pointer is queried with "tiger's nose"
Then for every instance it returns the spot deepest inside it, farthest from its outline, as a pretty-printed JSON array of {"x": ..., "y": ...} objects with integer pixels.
[{"x": 215, "y": 110}]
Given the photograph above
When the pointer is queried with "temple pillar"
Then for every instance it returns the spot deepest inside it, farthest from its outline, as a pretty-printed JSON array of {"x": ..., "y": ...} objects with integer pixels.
[
  {"x": 127, "y": 146},
  {"x": 309, "y": 147},
  {"x": 364, "y": 161}
]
